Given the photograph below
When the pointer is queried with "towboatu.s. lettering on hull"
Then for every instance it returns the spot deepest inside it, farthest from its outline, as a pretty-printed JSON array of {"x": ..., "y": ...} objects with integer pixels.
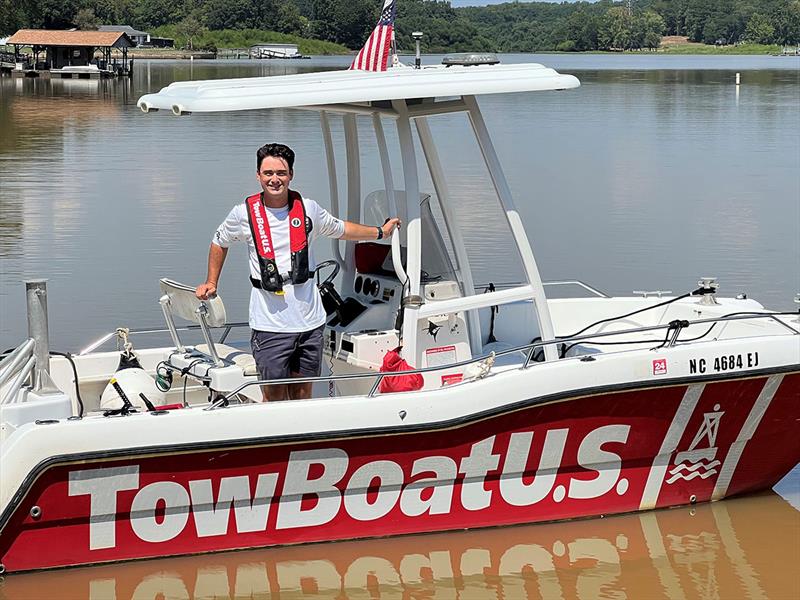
[{"x": 600, "y": 454}]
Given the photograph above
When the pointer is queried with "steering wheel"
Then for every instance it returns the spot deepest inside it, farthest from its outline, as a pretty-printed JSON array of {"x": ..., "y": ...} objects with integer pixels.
[{"x": 324, "y": 265}]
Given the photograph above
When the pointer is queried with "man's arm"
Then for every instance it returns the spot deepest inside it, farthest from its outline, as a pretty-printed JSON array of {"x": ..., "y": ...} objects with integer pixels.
[
  {"x": 358, "y": 232},
  {"x": 216, "y": 258}
]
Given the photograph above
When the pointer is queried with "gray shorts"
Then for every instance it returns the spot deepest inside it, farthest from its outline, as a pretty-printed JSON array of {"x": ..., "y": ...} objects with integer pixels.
[{"x": 279, "y": 355}]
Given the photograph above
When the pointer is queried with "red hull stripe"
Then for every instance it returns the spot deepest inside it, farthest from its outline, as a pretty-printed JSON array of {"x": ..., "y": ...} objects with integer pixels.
[
  {"x": 668, "y": 446},
  {"x": 745, "y": 434}
]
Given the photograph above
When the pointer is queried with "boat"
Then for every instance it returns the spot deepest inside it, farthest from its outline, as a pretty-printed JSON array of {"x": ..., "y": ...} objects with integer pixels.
[
  {"x": 82, "y": 71},
  {"x": 534, "y": 405}
]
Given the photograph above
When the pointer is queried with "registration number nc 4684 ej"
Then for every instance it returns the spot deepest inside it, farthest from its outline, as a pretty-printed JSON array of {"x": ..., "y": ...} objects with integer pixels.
[{"x": 726, "y": 362}]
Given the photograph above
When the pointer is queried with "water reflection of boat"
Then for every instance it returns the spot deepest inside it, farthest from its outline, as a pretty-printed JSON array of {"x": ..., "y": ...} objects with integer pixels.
[
  {"x": 587, "y": 422},
  {"x": 709, "y": 551}
]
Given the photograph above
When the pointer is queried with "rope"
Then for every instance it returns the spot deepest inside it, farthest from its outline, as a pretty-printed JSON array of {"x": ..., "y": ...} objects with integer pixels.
[{"x": 124, "y": 342}]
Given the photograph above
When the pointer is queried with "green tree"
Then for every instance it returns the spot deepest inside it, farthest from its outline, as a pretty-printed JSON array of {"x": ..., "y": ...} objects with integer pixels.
[
  {"x": 321, "y": 20},
  {"x": 230, "y": 14},
  {"x": 11, "y": 17},
  {"x": 615, "y": 31},
  {"x": 695, "y": 15},
  {"x": 86, "y": 20},
  {"x": 152, "y": 13},
  {"x": 581, "y": 28},
  {"x": 648, "y": 27},
  {"x": 191, "y": 28},
  {"x": 353, "y": 21},
  {"x": 48, "y": 14},
  {"x": 759, "y": 30},
  {"x": 786, "y": 21},
  {"x": 289, "y": 19}
]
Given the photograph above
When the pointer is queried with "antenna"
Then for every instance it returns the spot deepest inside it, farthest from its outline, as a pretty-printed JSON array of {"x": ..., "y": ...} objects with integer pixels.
[{"x": 417, "y": 35}]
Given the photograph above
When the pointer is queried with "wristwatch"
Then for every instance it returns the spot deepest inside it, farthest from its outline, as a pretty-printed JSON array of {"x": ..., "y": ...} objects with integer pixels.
[{"x": 380, "y": 232}]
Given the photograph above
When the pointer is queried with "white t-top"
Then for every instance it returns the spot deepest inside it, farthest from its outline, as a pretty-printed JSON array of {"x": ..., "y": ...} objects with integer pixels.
[{"x": 300, "y": 307}]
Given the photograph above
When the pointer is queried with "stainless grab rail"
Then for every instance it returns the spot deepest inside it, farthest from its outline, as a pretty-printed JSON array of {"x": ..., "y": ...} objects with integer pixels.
[
  {"x": 109, "y": 336},
  {"x": 16, "y": 385},
  {"x": 11, "y": 363},
  {"x": 529, "y": 348},
  {"x": 507, "y": 284},
  {"x": 19, "y": 364}
]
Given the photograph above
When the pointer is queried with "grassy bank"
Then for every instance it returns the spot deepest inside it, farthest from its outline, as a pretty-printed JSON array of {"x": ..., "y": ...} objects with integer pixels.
[
  {"x": 244, "y": 38},
  {"x": 706, "y": 49},
  {"x": 674, "y": 44}
]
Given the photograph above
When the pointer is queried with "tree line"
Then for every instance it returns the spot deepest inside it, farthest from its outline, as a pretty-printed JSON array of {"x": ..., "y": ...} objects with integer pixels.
[{"x": 510, "y": 27}]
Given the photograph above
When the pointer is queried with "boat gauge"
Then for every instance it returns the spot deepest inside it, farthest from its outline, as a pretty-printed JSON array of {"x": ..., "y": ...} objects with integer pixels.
[{"x": 357, "y": 285}]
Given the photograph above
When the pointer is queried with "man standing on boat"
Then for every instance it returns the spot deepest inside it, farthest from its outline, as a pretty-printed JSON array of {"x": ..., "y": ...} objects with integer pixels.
[{"x": 286, "y": 312}]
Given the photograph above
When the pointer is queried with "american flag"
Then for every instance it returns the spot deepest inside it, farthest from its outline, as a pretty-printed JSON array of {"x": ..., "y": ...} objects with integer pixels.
[{"x": 375, "y": 53}]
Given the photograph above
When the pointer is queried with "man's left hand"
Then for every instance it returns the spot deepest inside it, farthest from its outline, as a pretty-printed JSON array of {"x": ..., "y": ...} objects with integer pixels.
[{"x": 389, "y": 227}]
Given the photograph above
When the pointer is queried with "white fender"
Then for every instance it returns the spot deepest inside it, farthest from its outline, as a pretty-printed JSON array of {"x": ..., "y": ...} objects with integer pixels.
[{"x": 133, "y": 382}]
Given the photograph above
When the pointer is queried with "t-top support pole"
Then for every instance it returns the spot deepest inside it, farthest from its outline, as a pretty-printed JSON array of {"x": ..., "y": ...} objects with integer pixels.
[
  {"x": 352, "y": 152},
  {"x": 413, "y": 231},
  {"x": 515, "y": 224},
  {"x": 459, "y": 247},
  {"x": 333, "y": 187}
]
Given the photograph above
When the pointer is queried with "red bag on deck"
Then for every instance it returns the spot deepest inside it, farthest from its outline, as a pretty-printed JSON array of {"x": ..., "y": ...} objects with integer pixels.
[{"x": 393, "y": 363}]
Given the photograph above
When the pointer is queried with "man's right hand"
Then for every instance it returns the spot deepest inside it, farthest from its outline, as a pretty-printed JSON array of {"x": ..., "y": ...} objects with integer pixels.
[{"x": 205, "y": 290}]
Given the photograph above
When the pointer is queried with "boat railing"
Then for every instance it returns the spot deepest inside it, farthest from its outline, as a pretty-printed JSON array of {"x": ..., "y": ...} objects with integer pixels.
[
  {"x": 226, "y": 330},
  {"x": 16, "y": 368},
  {"x": 671, "y": 339},
  {"x": 574, "y": 282},
  {"x": 229, "y": 326}
]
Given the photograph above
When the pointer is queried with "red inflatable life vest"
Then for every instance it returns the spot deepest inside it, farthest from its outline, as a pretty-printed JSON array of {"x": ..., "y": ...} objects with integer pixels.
[{"x": 299, "y": 228}]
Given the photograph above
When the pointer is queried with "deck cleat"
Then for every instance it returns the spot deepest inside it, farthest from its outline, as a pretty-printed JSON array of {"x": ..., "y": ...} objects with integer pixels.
[{"x": 708, "y": 286}]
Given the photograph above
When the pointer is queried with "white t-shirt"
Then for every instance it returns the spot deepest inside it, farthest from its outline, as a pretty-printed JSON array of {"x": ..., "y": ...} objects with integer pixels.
[{"x": 300, "y": 307}]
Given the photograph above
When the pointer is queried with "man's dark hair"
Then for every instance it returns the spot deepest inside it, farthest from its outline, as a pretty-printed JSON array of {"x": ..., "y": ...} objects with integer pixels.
[{"x": 276, "y": 150}]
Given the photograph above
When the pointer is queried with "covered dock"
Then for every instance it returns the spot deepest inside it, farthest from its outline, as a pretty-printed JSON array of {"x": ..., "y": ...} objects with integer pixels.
[
  {"x": 275, "y": 50},
  {"x": 71, "y": 54}
]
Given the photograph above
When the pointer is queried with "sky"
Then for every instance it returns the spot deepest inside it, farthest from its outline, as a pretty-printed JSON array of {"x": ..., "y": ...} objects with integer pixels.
[{"x": 457, "y": 3}]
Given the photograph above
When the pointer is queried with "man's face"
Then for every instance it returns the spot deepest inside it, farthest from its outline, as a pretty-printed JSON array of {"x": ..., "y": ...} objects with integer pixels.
[{"x": 274, "y": 177}]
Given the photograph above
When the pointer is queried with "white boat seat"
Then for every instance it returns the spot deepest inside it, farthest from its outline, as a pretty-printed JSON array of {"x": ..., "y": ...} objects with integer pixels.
[
  {"x": 184, "y": 304},
  {"x": 239, "y": 357},
  {"x": 179, "y": 299}
]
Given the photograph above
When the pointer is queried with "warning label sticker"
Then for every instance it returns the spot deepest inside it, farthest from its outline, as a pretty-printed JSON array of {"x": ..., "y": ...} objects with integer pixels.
[{"x": 443, "y": 355}]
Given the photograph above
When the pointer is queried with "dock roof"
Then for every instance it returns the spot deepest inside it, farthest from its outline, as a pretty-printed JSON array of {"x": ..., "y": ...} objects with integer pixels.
[
  {"x": 48, "y": 37},
  {"x": 126, "y": 28}
]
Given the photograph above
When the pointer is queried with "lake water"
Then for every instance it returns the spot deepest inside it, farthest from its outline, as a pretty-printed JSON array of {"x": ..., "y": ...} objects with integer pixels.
[{"x": 657, "y": 171}]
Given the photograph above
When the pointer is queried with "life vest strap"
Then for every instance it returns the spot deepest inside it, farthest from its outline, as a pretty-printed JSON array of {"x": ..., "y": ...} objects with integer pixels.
[{"x": 285, "y": 277}]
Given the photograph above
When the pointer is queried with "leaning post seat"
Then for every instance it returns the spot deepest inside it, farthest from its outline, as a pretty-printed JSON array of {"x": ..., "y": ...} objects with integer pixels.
[{"x": 179, "y": 300}]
